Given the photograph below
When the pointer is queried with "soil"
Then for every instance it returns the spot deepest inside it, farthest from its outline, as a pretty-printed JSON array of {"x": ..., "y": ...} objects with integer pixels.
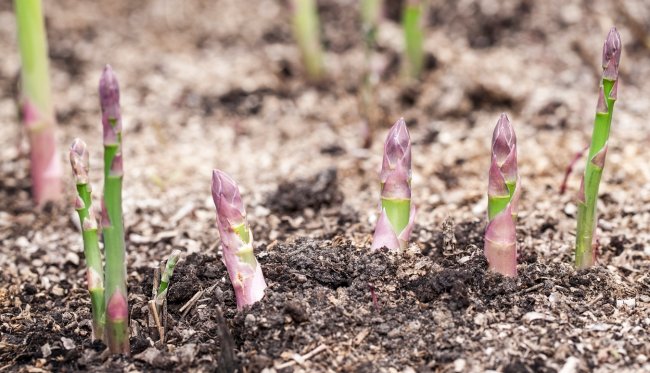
[{"x": 220, "y": 85}]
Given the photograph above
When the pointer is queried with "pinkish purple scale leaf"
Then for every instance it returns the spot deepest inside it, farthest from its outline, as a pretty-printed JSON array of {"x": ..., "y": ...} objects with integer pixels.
[
  {"x": 384, "y": 235},
  {"x": 496, "y": 182},
  {"x": 501, "y": 244}
]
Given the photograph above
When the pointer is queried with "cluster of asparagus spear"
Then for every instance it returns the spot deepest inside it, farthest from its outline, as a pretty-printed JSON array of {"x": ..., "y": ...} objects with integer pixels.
[
  {"x": 504, "y": 186},
  {"x": 107, "y": 283}
]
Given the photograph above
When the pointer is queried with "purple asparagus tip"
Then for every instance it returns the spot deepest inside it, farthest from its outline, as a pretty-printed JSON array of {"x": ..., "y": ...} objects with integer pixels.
[
  {"x": 611, "y": 54},
  {"x": 109, "y": 99},
  {"x": 504, "y": 148},
  {"x": 79, "y": 160},
  {"x": 227, "y": 199},
  {"x": 397, "y": 150}
]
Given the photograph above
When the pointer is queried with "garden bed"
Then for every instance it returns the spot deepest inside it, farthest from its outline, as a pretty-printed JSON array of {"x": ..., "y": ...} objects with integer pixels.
[{"x": 201, "y": 91}]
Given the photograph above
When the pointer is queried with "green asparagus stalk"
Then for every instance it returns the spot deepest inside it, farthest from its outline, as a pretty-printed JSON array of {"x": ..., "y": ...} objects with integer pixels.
[
  {"x": 36, "y": 102},
  {"x": 585, "y": 255},
  {"x": 83, "y": 205},
  {"x": 306, "y": 30},
  {"x": 411, "y": 23},
  {"x": 117, "y": 312},
  {"x": 370, "y": 16}
]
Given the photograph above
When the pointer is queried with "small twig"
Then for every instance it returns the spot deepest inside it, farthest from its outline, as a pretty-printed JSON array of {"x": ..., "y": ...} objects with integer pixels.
[
  {"x": 187, "y": 306},
  {"x": 227, "y": 361},
  {"x": 373, "y": 295},
  {"x": 190, "y": 303},
  {"x": 154, "y": 292},
  {"x": 298, "y": 359},
  {"x": 569, "y": 169},
  {"x": 533, "y": 288},
  {"x": 153, "y": 311}
]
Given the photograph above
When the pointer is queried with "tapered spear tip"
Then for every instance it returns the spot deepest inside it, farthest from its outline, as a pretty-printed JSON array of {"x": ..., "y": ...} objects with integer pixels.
[
  {"x": 79, "y": 159},
  {"x": 612, "y": 54},
  {"x": 226, "y": 197},
  {"x": 109, "y": 88}
]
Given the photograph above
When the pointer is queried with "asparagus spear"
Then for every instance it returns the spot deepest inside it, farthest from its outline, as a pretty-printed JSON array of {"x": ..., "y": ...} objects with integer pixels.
[
  {"x": 306, "y": 30},
  {"x": 397, "y": 213},
  {"x": 167, "y": 275},
  {"x": 237, "y": 241},
  {"x": 117, "y": 311},
  {"x": 411, "y": 15},
  {"x": 36, "y": 102},
  {"x": 504, "y": 189},
  {"x": 95, "y": 272},
  {"x": 585, "y": 255}
]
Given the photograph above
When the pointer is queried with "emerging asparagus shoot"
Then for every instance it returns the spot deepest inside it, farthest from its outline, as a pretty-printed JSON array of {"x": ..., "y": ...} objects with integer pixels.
[
  {"x": 585, "y": 255},
  {"x": 411, "y": 19},
  {"x": 504, "y": 189},
  {"x": 166, "y": 276},
  {"x": 306, "y": 30},
  {"x": 95, "y": 272},
  {"x": 36, "y": 102},
  {"x": 397, "y": 212},
  {"x": 237, "y": 241},
  {"x": 117, "y": 315}
]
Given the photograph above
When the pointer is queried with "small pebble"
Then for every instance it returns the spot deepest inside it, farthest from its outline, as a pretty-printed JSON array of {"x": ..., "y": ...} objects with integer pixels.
[
  {"x": 459, "y": 365},
  {"x": 68, "y": 343},
  {"x": 249, "y": 321},
  {"x": 46, "y": 350},
  {"x": 570, "y": 209}
]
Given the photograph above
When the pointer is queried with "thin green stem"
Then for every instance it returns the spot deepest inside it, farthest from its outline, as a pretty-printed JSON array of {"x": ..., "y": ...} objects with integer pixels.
[
  {"x": 306, "y": 29},
  {"x": 398, "y": 212},
  {"x": 585, "y": 256},
  {"x": 116, "y": 325},
  {"x": 413, "y": 37},
  {"x": 93, "y": 257}
]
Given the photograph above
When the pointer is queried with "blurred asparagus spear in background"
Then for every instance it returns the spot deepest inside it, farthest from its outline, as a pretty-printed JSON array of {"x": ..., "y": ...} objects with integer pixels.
[
  {"x": 236, "y": 241},
  {"x": 36, "y": 102},
  {"x": 117, "y": 310},
  {"x": 411, "y": 24},
  {"x": 306, "y": 30},
  {"x": 370, "y": 16},
  {"x": 397, "y": 212},
  {"x": 585, "y": 255},
  {"x": 79, "y": 159},
  {"x": 504, "y": 189}
]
